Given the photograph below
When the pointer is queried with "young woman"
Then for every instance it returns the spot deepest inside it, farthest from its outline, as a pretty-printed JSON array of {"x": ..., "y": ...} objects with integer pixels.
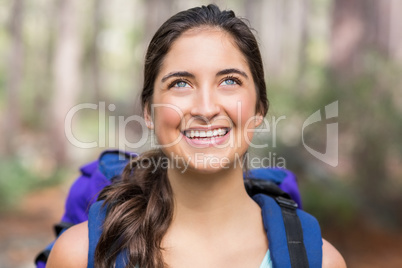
[{"x": 185, "y": 204}]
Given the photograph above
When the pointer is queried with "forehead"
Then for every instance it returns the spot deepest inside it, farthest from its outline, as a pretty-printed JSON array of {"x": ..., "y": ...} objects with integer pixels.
[{"x": 204, "y": 48}]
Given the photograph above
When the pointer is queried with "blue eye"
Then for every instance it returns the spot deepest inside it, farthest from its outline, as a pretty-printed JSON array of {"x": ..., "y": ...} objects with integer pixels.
[
  {"x": 181, "y": 84},
  {"x": 229, "y": 82}
]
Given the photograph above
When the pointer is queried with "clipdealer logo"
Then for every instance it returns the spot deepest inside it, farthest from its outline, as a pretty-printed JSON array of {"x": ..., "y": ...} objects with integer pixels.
[{"x": 330, "y": 156}]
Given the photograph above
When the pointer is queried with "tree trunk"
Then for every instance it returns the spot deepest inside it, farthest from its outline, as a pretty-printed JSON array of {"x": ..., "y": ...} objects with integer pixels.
[
  {"x": 66, "y": 73},
  {"x": 282, "y": 27},
  {"x": 361, "y": 27},
  {"x": 395, "y": 32},
  {"x": 95, "y": 64},
  {"x": 12, "y": 118},
  {"x": 157, "y": 12}
]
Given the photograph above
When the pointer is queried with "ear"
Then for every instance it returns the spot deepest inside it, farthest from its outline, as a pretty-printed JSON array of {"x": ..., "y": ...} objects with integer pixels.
[
  {"x": 148, "y": 117},
  {"x": 259, "y": 118}
]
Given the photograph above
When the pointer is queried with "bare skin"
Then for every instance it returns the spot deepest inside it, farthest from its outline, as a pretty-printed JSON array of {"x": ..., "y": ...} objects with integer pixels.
[
  {"x": 71, "y": 248},
  {"x": 218, "y": 219}
]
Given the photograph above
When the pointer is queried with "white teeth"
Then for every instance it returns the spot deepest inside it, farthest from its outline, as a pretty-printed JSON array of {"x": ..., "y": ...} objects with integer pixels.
[{"x": 205, "y": 134}]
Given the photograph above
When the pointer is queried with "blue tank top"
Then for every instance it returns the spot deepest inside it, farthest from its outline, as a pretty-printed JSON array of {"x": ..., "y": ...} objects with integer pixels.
[{"x": 266, "y": 262}]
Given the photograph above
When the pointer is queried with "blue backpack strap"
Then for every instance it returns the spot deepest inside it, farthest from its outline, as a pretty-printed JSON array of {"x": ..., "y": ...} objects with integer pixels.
[
  {"x": 278, "y": 236},
  {"x": 96, "y": 217},
  {"x": 312, "y": 238}
]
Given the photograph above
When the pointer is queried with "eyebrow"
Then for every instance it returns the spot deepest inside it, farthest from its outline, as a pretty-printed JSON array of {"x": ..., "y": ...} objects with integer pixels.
[
  {"x": 177, "y": 74},
  {"x": 190, "y": 75},
  {"x": 230, "y": 71}
]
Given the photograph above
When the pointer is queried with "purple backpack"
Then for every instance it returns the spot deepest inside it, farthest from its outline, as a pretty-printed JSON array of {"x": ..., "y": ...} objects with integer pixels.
[{"x": 100, "y": 173}]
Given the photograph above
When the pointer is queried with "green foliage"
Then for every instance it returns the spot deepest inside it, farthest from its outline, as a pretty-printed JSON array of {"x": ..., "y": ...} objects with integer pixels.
[
  {"x": 331, "y": 201},
  {"x": 17, "y": 179}
]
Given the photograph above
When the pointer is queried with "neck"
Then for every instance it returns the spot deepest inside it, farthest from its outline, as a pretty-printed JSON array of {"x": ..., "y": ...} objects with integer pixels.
[{"x": 208, "y": 199}]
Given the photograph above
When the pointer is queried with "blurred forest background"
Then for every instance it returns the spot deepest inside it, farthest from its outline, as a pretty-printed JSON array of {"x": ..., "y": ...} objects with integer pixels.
[{"x": 60, "y": 53}]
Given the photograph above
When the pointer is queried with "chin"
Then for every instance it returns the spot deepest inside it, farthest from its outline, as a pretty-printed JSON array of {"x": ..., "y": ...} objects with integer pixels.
[
  {"x": 209, "y": 164},
  {"x": 201, "y": 169}
]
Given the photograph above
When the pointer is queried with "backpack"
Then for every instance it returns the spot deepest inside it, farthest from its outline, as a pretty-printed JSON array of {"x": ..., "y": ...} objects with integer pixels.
[{"x": 294, "y": 236}]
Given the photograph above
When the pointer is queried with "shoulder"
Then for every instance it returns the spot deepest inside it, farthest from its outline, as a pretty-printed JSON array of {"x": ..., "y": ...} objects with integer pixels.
[
  {"x": 71, "y": 248},
  {"x": 331, "y": 258}
]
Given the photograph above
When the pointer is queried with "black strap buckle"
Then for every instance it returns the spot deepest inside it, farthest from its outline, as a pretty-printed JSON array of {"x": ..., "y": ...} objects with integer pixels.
[{"x": 289, "y": 203}]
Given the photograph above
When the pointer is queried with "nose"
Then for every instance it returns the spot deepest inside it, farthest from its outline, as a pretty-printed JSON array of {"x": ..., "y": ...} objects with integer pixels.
[{"x": 205, "y": 105}]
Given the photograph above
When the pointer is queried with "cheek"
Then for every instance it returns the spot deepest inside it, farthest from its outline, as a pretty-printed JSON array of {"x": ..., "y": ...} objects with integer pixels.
[
  {"x": 167, "y": 116},
  {"x": 242, "y": 111}
]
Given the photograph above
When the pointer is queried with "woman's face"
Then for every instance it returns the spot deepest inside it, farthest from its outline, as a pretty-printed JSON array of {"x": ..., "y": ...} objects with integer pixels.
[{"x": 204, "y": 102}]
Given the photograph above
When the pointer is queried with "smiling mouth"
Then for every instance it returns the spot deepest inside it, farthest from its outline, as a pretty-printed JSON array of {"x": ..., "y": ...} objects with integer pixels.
[{"x": 206, "y": 134}]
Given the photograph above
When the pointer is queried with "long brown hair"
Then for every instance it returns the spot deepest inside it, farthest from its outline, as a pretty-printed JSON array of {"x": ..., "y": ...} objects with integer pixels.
[{"x": 140, "y": 205}]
